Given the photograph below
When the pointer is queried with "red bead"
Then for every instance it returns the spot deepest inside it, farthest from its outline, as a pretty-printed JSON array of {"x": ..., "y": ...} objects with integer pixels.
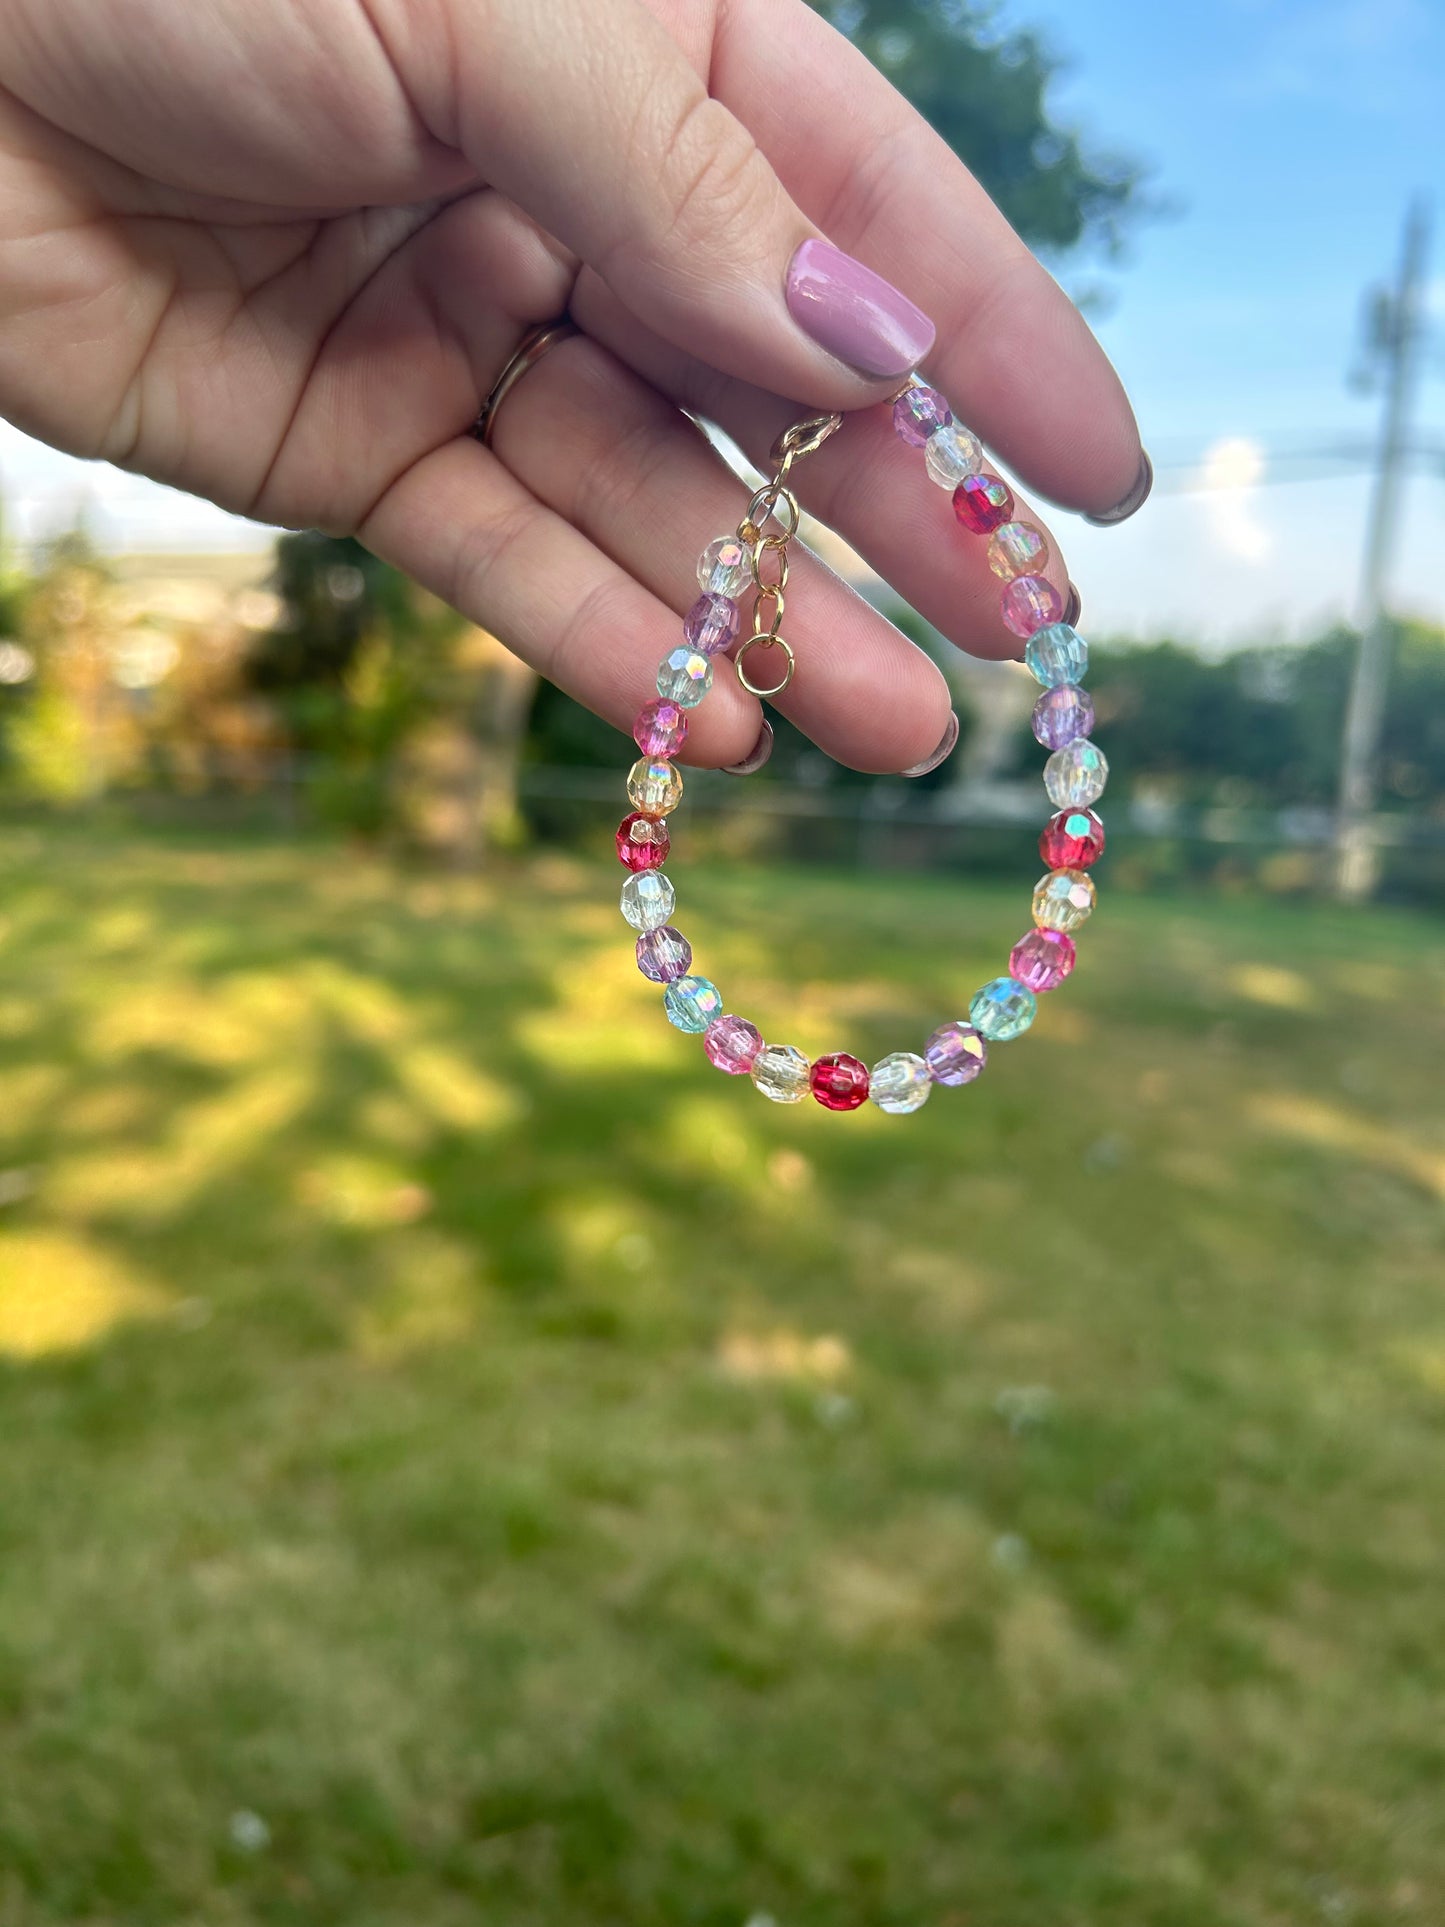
[
  {"x": 982, "y": 502},
  {"x": 1072, "y": 840},
  {"x": 642, "y": 841},
  {"x": 839, "y": 1082}
]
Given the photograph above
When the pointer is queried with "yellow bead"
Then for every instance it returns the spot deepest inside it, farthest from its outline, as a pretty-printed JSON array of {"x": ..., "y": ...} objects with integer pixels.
[
  {"x": 1017, "y": 548},
  {"x": 1063, "y": 899},
  {"x": 654, "y": 785}
]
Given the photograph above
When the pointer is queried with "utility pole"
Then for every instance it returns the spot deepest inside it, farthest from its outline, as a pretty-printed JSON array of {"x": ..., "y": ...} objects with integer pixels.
[{"x": 1396, "y": 327}]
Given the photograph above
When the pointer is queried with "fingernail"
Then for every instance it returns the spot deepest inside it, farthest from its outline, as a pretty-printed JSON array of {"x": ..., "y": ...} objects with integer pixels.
[
  {"x": 854, "y": 313},
  {"x": 761, "y": 750},
  {"x": 945, "y": 748},
  {"x": 1073, "y": 608},
  {"x": 1132, "y": 502}
]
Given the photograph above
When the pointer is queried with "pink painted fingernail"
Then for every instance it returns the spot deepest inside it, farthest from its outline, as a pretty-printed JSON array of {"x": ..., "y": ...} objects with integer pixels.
[{"x": 854, "y": 313}]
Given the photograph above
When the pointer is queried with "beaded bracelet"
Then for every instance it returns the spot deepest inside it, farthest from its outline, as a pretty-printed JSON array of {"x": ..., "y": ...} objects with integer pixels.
[{"x": 1063, "y": 716}]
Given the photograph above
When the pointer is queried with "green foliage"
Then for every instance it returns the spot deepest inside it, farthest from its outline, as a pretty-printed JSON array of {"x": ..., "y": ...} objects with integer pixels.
[{"x": 983, "y": 89}]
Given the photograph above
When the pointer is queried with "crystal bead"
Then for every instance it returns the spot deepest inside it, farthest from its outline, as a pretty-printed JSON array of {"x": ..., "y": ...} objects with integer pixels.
[
  {"x": 955, "y": 1054},
  {"x": 1056, "y": 654},
  {"x": 1072, "y": 840},
  {"x": 663, "y": 954},
  {"x": 691, "y": 1003},
  {"x": 1075, "y": 775},
  {"x": 1041, "y": 960},
  {"x": 684, "y": 677},
  {"x": 951, "y": 453},
  {"x": 981, "y": 502},
  {"x": 654, "y": 786},
  {"x": 648, "y": 899},
  {"x": 1003, "y": 1010},
  {"x": 781, "y": 1073},
  {"x": 642, "y": 841},
  {"x": 839, "y": 1082},
  {"x": 1029, "y": 603},
  {"x": 917, "y": 412},
  {"x": 660, "y": 729},
  {"x": 1062, "y": 714},
  {"x": 899, "y": 1082},
  {"x": 733, "y": 1044},
  {"x": 711, "y": 624},
  {"x": 724, "y": 568},
  {"x": 1063, "y": 899},
  {"x": 1017, "y": 548}
]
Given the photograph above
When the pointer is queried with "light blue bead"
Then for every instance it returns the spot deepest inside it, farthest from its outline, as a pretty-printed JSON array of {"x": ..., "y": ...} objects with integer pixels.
[
  {"x": 1057, "y": 654},
  {"x": 684, "y": 677},
  {"x": 692, "y": 1002},
  {"x": 1003, "y": 1010}
]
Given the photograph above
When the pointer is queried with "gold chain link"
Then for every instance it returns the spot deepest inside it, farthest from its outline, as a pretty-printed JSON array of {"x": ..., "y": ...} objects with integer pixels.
[{"x": 775, "y": 502}]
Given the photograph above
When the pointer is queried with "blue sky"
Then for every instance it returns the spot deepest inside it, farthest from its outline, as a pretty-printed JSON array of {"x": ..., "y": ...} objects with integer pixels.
[{"x": 1290, "y": 134}]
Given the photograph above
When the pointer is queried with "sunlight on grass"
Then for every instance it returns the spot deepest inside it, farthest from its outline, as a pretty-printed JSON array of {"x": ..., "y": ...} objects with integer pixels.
[
  {"x": 59, "y": 1291},
  {"x": 1273, "y": 986},
  {"x": 434, "y": 1296},
  {"x": 1310, "y": 1121},
  {"x": 785, "y": 1354}
]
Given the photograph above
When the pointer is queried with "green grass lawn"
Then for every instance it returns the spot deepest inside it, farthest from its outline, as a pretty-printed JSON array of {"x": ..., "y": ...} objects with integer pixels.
[{"x": 464, "y": 1460}]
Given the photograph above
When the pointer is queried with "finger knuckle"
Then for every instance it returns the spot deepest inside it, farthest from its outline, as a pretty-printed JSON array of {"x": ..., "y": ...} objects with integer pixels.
[{"x": 716, "y": 183}]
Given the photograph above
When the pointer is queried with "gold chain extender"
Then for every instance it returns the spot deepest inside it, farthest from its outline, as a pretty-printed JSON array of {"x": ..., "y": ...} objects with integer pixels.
[{"x": 775, "y": 502}]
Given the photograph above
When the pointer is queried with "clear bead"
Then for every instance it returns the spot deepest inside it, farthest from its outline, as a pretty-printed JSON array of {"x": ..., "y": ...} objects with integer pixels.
[
  {"x": 1003, "y": 1010},
  {"x": 900, "y": 1082},
  {"x": 684, "y": 677},
  {"x": 663, "y": 954},
  {"x": 1075, "y": 775},
  {"x": 724, "y": 568},
  {"x": 781, "y": 1073},
  {"x": 691, "y": 1003},
  {"x": 1017, "y": 548},
  {"x": 955, "y": 1053},
  {"x": 950, "y": 453},
  {"x": 648, "y": 899},
  {"x": 1057, "y": 653},
  {"x": 1064, "y": 899},
  {"x": 1062, "y": 715},
  {"x": 654, "y": 785}
]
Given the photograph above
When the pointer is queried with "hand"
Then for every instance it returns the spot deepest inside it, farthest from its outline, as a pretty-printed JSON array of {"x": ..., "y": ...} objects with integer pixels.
[{"x": 276, "y": 251}]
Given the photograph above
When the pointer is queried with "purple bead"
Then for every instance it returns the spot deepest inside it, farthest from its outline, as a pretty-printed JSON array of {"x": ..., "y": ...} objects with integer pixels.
[
  {"x": 1063, "y": 715},
  {"x": 710, "y": 624},
  {"x": 917, "y": 412},
  {"x": 955, "y": 1054},
  {"x": 663, "y": 954},
  {"x": 1030, "y": 602}
]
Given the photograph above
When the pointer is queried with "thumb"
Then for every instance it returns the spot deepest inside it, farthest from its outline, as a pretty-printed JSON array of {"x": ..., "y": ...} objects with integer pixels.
[{"x": 588, "y": 115}]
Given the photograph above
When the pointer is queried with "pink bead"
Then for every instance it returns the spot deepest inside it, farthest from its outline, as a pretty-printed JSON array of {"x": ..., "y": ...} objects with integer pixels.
[
  {"x": 733, "y": 1044},
  {"x": 642, "y": 842},
  {"x": 1030, "y": 602},
  {"x": 711, "y": 624},
  {"x": 917, "y": 412},
  {"x": 981, "y": 502},
  {"x": 1041, "y": 960},
  {"x": 661, "y": 728},
  {"x": 663, "y": 954}
]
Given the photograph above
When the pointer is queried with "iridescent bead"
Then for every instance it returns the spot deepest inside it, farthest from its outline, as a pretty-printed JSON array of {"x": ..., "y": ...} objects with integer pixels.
[
  {"x": 781, "y": 1073},
  {"x": 660, "y": 729},
  {"x": 1072, "y": 840},
  {"x": 839, "y": 1082},
  {"x": 642, "y": 841},
  {"x": 955, "y": 1054},
  {"x": 1056, "y": 654},
  {"x": 1017, "y": 548},
  {"x": 654, "y": 786},
  {"x": 1063, "y": 899},
  {"x": 1041, "y": 960},
  {"x": 691, "y": 1003},
  {"x": 648, "y": 899},
  {"x": 663, "y": 954},
  {"x": 724, "y": 567},
  {"x": 711, "y": 624},
  {"x": 1029, "y": 603},
  {"x": 981, "y": 502},
  {"x": 951, "y": 453},
  {"x": 1003, "y": 1010},
  {"x": 733, "y": 1044},
  {"x": 899, "y": 1082},
  {"x": 1075, "y": 775},
  {"x": 918, "y": 411},
  {"x": 684, "y": 677},
  {"x": 1063, "y": 714}
]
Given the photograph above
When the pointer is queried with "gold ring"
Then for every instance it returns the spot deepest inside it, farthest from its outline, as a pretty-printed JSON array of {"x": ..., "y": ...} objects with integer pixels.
[
  {"x": 753, "y": 642},
  {"x": 527, "y": 353}
]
